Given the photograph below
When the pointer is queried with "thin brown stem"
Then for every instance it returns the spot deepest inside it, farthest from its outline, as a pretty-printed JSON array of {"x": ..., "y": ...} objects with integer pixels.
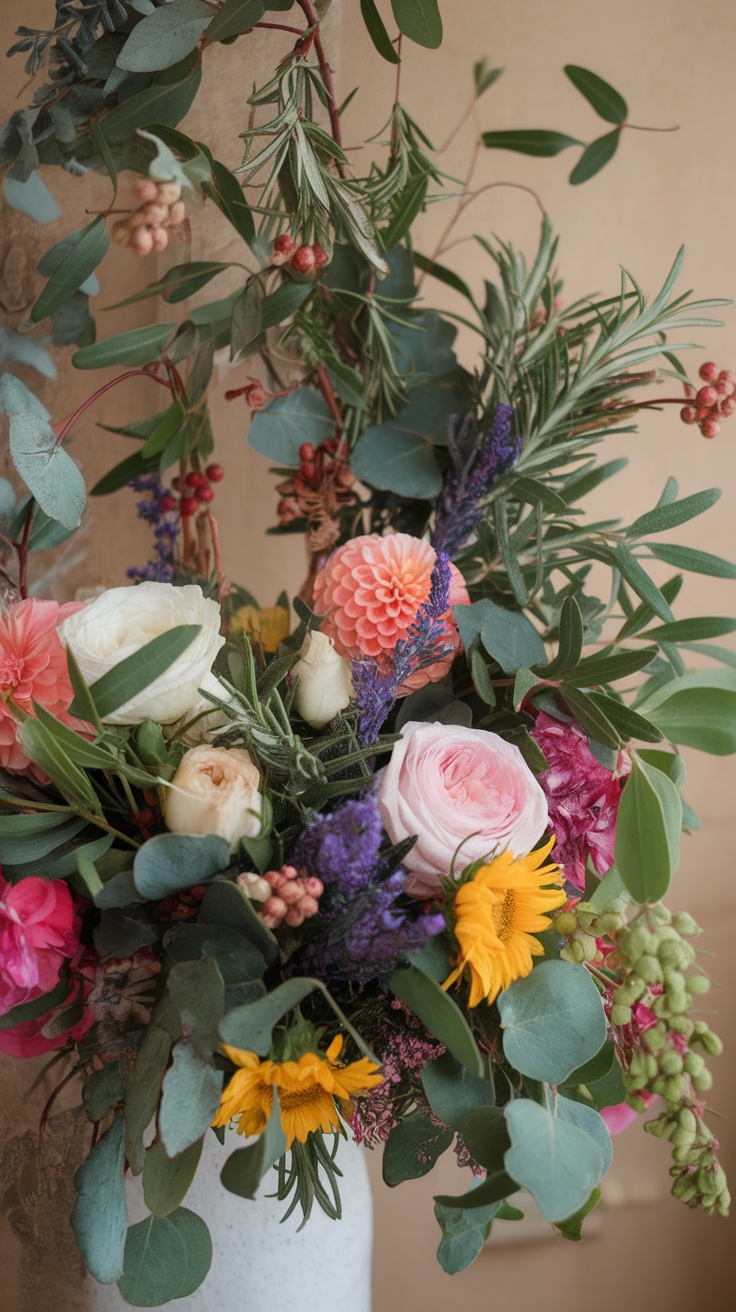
[
  {"x": 130, "y": 373},
  {"x": 460, "y": 124},
  {"x": 279, "y": 27},
  {"x": 636, "y": 127},
  {"x": 467, "y": 200},
  {"x": 312, "y": 17}
]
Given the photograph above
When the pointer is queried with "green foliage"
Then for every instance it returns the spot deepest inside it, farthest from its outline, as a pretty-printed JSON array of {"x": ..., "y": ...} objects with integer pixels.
[
  {"x": 595, "y": 157},
  {"x": 419, "y": 20},
  {"x": 190, "y": 1098},
  {"x": 553, "y": 1021},
  {"x": 47, "y": 470},
  {"x": 279, "y": 431},
  {"x": 98, "y": 1216},
  {"x": 168, "y": 862},
  {"x": 600, "y": 95},
  {"x": 528, "y": 141},
  {"x": 648, "y": 832},
  {"x": 167, "y": 1179},
  {"x": 464, "y": 1232},
  {"x": 558, "y": 1162},
  {"x": 412, "y": 1148},
  {"x": 164, "y": 37},
  {"x": 135, "y": 673},
  {"x": 246, "y": 1167},
  {"x": 165, "y": 1257},
  {"x": 437, "y": 1010}
]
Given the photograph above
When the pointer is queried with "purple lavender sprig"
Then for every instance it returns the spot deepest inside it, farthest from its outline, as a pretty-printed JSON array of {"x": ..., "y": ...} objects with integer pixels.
[
  {"x": 165, "y": 530},
  {"x": 375, "y": 683},
  {"x": 476, "y": 467}
]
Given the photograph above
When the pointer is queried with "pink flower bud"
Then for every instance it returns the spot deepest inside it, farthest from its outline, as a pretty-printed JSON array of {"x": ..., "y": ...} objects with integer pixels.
[
  {"x": 294, "y": 917},
  {"x": 168, "y": 192},
  {"x": 309, "y": 907},
  {"x": 145, "y": 190},
  {"x": 314, "y": 886},
  {"x": 159, "y": 238},
  {"x": 141, "y": 241},
  {"x": 177, "y": 214},
  {"x": 154, "y": 215},
  {"x": 273, "y": 912},
  {"x": 291, "y": 893}
]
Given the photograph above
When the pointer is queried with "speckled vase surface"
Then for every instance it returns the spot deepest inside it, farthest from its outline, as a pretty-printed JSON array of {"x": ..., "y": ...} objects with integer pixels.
[{"x": 259, "y": 1263}]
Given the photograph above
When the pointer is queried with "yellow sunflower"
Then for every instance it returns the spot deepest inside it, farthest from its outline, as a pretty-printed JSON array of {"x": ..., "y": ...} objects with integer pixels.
[
  {"x": 248, "y": 1094},
  {"x": 269, "y": 624},
  {"x": 307, "y": 1089},
  {"x": 497, "y": 914}
]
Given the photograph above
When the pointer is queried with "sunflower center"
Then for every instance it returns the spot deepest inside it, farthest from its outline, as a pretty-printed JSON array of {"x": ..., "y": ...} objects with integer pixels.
[
  {"x": 504, "y": 915},
  {"x": 293, "y": 1098}
]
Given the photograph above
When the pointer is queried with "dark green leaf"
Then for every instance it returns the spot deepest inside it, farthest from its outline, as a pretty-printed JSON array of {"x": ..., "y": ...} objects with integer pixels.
[
  {"x": 43, "y": 747},
  {"x": 606, "y": 102},
  {"x": 98, "y": 1216},
  {"x": 412, "y": 1148},
  {"x": 420, "y": 21},
  {"x": 595, "y": 670},
  {"x": 246, "y": 1167},
  {"x": 648, "y": 832},
  {"x": 404, "y": 209},
  {"x": 26, "y": 1011},
  {"x": 464, "y": 1232},
  {"x": 377, "y": 32},
  {"x": 224, "y": 904},
  {"x": 197, "y": 990},
  {"x": 454, "y": 1091},
  {"x": 484, "y": 77},
  {"x": 75, "y": 268},
  {"x": 590, "y": 716},
  {"x": 234, "y": 17},
  {"x": 139, "y": 346},
  {"x": 443, "y": 274},
  {"x": 530, "y": 141},
  {"x": 595, "y": 157},
  {"x": 572, "y": 1228},
  {"x": 486, "y": 1138},
  {"x": 164, "y": 37},
  {"x": 178, "y": 283},
  {"x": 570, "y": 642},
  {"x": 628, "y": 723},
  {"x": 120, "y": 475},
  {"x": 640, "y": 581},
  {"x": 143, "y": 1093},
  {"x": 225, "y": 190},
  {"x": 691, "y": 630},
  {"x": 166, "y": 1257},
  {"x": 442, "y": 1017},
  {"x": 493, "y": 1190}
]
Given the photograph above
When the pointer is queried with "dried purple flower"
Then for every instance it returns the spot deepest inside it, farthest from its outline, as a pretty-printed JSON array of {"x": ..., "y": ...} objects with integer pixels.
[{"x": 477, "y": 465}]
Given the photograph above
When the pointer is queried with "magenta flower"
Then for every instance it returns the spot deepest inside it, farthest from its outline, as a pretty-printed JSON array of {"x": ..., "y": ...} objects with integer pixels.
[
  {"x": 582, "y": 799},
  {"x": 39, "y": 931}
]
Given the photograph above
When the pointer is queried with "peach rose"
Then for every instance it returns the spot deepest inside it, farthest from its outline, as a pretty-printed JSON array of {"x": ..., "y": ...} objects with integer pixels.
[
  {"x": 451, "y": 786},
  {"x": 216, "y": 790}
]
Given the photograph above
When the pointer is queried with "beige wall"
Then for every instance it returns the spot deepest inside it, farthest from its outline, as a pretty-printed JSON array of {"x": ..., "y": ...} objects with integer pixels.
[{"x": 673, "y": 61}]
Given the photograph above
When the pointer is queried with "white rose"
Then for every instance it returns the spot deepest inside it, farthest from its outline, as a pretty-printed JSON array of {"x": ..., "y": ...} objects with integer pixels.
[
  {"x": 122, "y": 620},
  {"x": 325, "y": 686},
  {"x": 215, "y": 791},
  {"x": 212, "y": 717}
]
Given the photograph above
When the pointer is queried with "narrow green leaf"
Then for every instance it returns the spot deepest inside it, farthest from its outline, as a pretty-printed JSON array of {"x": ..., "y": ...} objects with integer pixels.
[
  {"x": 647, "y": 831},
  {"x": 698, "y": 562},
  {"x": 442, "y": 1017},
  {"x": 691, "y": 630},
  {"x": 595, "y": 670},
  {"x": 75, "y": 268},
  {"x": 377, "y": 32},
  {"x": 590, "y": 716},
  {"x": 246, "y": 1167},
  {"x": 131, "y": 675},
  {"x": 530, "y": 141},
  {"x": 629, "y": 723},
  {"x": 43, "y": 747},
  {"x": 595, "y": 157},
  {"x": 83, "y": 701},
  {"x": 606, "y": 102},
  {"x": 105, "y": 154},
  {"x": 139, "y": 346},
  {"x": 443, "y": 274},
  {"x": 640, "y": 581},
  {"x": 510, "y": 560},
  {"x": 570, "y": 643},
  {"x": 675, "y": 512},
  {"x": 484, "y": 77}
]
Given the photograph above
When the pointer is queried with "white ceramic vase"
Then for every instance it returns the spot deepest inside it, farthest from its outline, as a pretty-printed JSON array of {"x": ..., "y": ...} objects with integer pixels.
[{"x": 259, "y": 1263}]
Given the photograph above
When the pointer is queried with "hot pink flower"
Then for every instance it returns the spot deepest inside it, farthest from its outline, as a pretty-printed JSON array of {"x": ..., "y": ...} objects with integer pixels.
[
  {"x": 32, "y": 668},
  {"x": 27, "y": 1040},
  {"x": 371, "y": 590},
  {"x": 39, "y": 931},
  {"x": 582, "y": 797}
]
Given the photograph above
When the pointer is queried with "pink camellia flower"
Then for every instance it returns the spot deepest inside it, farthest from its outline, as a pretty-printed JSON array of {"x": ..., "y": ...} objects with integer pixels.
[
  {"x": 32, "y": 668},
  {"x": 371, "y": 590},
  {"x": 39, "y": 931},
  {"x": 27, "y": 1039},
  {"x": 457, "y": 788},
  {"x": 582, "y": 797}
]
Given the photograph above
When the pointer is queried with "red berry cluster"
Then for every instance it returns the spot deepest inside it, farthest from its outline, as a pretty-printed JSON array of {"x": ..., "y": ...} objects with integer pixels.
[
  {"x": 323, "y": 473},
  {"x": 303, "y": 259},
  {"x": 713, "y": 402},
  {"x": 195, "y": 490}
]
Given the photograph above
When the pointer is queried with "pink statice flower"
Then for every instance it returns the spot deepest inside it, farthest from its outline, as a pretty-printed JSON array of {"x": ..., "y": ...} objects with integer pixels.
[
  {"x": 39, "y": 932},
  {"x": 582, "y": 799},
  {"x": 33, "y": 668}
]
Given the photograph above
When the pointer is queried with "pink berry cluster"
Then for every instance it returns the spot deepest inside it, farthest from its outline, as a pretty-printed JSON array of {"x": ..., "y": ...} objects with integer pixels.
[
  {"x": 713, "y": 402},
  {"x": 195, "y": 490},
  {"x": 286, "y": 897},
  {"x": 303, "y": 259},
  {"x": 160, "y": 213}
]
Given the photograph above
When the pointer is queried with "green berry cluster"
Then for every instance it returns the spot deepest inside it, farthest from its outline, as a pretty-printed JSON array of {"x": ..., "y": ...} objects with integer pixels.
[
  {"x": 652, "y": 957},
  {"x": 581, "y": 926}
]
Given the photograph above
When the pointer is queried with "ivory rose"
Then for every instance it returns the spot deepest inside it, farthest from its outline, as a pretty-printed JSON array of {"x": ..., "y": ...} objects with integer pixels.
[
  {"x": 452, "y": 785},
  {"x": 39, "y": 931},
  {"x": 325, "y": 686},
  {"x": 215, "y": 791},
  {"x": 122, "y": 620}
]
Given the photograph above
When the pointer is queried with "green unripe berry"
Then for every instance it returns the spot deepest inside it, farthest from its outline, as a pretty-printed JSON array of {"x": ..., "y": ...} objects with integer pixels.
[
  {"x": 681, "y": 1138},
  {"x": 675, "y": 954},
  {"x": 687, "y": 1119},
  {"x": 674, "y": 1089},
  {"x": 693, "y": 1064},
  {"x": 682, "y": 1025},
  {"x": 630, "y": 991},
  {"x": 650, "y": 970},
  {"x": 610, "y": 922},
  {"x": 712, "y": 1044},
  {"x": 588, "y": 944},
  {"x": 671, "y": 1063},
  {"x": 566, "y": 923},
  {"x": 641, "y": 942},
  {"x": 684, "y": 924},
  {"x": 621, "y": 1015},
  {"x": 698, "y": 984},
  {"x": 655, "y": 1037},
  {"x": 703, "y": 1081}
]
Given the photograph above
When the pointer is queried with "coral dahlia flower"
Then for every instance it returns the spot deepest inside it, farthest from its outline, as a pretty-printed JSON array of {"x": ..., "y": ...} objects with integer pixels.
[{"x": 32, "y": 669}]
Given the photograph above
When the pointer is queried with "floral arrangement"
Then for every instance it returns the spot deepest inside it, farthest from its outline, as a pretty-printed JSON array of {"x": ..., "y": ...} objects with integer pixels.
[{"x": 389, "y": 862}]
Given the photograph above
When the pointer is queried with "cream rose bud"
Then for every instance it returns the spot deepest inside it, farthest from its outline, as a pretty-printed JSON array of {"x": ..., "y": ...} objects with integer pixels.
[
  {"x": 325, "y": 686},
  {"x": 466, "y": 793},
  {"x": 215, "y": 791},
  {"x": 122, "y": 620}
]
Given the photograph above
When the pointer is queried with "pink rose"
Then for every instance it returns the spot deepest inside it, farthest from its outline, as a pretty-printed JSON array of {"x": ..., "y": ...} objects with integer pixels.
[
  {"x": 451, "y": 786},
  {"x": 39, "y": 931}
]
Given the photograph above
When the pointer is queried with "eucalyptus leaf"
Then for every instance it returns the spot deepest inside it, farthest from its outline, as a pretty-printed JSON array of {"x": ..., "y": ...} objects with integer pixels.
[
  {"x": 166, "y": 1257},
  {"x": 558, "y": 1163},
  {"x": 98, "y": 1216},
  {"x": 47, "y": 470},
  {"x": 168, "y": 862},
  {"x": 553, "y": 1021},
  {"x": 165, "y": 37}
]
